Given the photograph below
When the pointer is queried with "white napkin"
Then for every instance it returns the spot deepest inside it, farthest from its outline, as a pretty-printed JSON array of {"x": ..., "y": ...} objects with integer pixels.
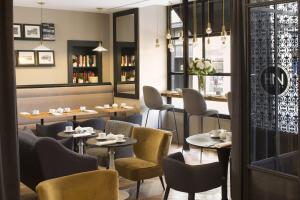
[
  {"x": 128, "y": 107},
  {"x": 81, "y": 135},
  {"x": 111, "y": 136},
  {"x": 57, "y": 114},
  {"x": 223, "y": 144},
  {"x": 106, "y": 142},
  {"x": 90, "y": 111},
  {"x": 24, "y": 113},
  {"x": 99, "y": 107}
]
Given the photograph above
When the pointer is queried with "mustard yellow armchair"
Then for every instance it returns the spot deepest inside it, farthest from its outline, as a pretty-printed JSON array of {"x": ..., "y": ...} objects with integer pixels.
[
  {"x": 93, "y": 185},
  {"x": 151, "y": 147}
]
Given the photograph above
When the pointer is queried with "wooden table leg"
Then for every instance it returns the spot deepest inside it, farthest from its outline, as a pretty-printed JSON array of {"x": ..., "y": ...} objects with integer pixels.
[
  {"x": 223, "y": 155},
  {"x": 42, "y": 121}
]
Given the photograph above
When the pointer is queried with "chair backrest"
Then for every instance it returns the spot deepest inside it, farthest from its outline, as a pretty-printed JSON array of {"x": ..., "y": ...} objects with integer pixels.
[
  {"x": 135, "y": 119},
  {"x": 152, "y": 97},
  {"x": 30, "y": 170},
  {"x": 98, "y": 124},
  {"x": 229, "y": 99},
  {"x": 152, "y": 144},
  {"x": 185, "y": 178},
  {"x": 51, "y": 130},
  {"x": 194, "y": 103},
  {"x": 99, "y": 184},
  {"x": 119, "y": 127}
]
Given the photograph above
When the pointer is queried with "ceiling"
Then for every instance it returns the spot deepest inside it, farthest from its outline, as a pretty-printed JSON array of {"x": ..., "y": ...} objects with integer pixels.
[{"x": 107, "y": 6}]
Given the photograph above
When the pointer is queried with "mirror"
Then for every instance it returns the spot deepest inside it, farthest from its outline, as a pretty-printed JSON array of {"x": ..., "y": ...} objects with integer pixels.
[{"x": 126, "y": 54}]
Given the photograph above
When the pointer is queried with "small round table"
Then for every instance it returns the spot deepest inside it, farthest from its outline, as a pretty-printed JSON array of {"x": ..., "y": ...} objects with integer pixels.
[
  {"x": 205, "y": 141},
  {"x": 111, "y": 152},
  {"x": 80, "y": 140},
  {"x": 111, "y": 148}
]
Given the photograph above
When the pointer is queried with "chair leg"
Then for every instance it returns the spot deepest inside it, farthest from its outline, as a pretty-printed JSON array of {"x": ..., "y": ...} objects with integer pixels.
[
  {"x": 147, "y": 117},
  {"x": 201, "y": 123},
  {"x": 201, "y": 153},
  {"x": 191, "y": 196},
  {"x": 219, "y": 121},
  {"x": 167, "y": 193},
  {"x": 158, "y": 121},
  {"x": 176, "y": 130},
  {"x": 138, "y": 189},
  {"x": 162, "y": 182}
]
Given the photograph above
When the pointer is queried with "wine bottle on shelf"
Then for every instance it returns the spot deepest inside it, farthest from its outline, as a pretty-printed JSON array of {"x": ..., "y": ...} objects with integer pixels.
[
  {"x": 94, "y": 60},
  {"x": 88, "y": 61}
]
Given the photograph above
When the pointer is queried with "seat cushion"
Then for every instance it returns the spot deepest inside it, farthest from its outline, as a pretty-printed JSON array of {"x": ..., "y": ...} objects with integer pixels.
[
  {"x": 137, "y": 169},
  {"x": 166, "y": 107}
]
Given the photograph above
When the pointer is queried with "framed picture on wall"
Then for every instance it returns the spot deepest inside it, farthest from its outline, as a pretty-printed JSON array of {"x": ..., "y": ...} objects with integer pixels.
[
  {"x": 25, "y": 58},
  {"x": 17, "y": 31},
  {"x": 32, "y": 31},
  {"x": 45, "y": 58},
  {"x": 48, "y": 31}
]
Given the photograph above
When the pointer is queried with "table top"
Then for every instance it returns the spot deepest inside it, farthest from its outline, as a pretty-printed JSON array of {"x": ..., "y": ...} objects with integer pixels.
[
  {"x": 205, "y": 141},
  {"x": 128, "y": 142},
  {"x": 175, "y": 94},
  {"x": 114, "y": 110},
  {"x": 47, "y": 115},
  {"x": 68, "y": 135}
]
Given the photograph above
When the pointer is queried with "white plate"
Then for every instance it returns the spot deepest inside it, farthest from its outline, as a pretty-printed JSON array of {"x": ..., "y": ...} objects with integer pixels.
[
  {"x": 69, "y": 131},
  {"x": 121, "y": 141}
]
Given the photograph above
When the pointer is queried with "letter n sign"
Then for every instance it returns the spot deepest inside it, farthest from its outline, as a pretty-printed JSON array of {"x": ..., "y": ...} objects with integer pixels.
[{"x": 274, "y": 80}]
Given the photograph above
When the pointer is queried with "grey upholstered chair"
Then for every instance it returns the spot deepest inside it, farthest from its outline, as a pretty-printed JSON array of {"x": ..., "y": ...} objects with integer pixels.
[
  {"x": 190, "y": 178},
  {"x": 135, "y": 119},
  {"x": 194, "y": 104},
  {"x": 98, "y": 123},
  {"x": 43, "y": 158},
  {"x": 229, "y": 99},
  {"x": 52, "y": 130},
  {"x": 154, "y": 101},
  {"x": 114, "y": 127}
]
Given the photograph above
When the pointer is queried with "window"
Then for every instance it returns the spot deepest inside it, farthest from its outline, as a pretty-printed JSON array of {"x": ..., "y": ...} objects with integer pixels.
[{"x": 215, "y": 50}]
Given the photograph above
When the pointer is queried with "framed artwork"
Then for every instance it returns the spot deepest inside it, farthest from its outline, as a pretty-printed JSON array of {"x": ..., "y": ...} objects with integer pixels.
[
  {"x": 17, "y": 31},
  {"x": 32, "y": 31},
  {"x": 48, "y": 32},
  {"x": 25, "y": 58},
  {"x": 45, "y": 58}
]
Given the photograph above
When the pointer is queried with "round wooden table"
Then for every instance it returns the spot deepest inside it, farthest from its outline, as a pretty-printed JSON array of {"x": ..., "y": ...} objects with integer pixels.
[
  {"x": 111, "y": 148},
  {"x": 203, "y": 141},
  {"x": 79, "y": 140}
]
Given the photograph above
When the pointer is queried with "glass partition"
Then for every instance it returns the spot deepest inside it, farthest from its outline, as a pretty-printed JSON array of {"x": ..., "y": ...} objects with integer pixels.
[{"x": 274, "y": 87}]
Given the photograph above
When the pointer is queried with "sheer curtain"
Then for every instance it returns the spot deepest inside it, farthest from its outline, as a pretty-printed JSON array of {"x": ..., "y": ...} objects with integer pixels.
[
  {"x": 238, "y": 70},
  {"x": 9, "y": 172}
]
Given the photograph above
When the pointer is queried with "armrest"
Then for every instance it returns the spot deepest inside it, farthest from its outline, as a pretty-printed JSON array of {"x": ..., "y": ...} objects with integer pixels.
[
  {"x": 100, "y": 184},
  {"x": 56, "y": 160}
]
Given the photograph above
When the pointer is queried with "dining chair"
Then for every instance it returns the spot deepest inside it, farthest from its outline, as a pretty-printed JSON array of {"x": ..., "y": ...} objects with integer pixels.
[
  {"x": 115, "y": 127},
  {"x": 151, "y": 147},
  {"x": 153, "y": 100},
  {"x": 95, "y": 185},
  {"x": 190, "y": 178},
  {"x": 195, "y": 105},
  {"x": 43, "y": 158},
  {"x": 52, "y": 130}
]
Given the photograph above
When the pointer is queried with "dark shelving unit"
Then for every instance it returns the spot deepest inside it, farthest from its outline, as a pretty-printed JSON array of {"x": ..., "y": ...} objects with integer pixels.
[{"x": 90, "y": 64}]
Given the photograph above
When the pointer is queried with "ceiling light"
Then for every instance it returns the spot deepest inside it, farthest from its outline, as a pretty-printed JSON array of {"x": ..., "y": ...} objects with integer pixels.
[{"x": 100, "y": 48}]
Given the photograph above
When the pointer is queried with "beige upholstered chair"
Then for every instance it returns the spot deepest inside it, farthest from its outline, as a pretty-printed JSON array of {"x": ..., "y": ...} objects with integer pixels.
[
  {"x": 151, "y": 147},
  {"x": 94, "y": 185}
]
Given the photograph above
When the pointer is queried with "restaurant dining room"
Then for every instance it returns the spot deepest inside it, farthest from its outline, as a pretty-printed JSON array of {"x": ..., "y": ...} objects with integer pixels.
[{"x": 149, "y": 100}]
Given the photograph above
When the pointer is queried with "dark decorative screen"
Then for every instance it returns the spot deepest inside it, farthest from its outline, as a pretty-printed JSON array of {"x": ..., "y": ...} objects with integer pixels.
[{"x": 273, "y": 75}]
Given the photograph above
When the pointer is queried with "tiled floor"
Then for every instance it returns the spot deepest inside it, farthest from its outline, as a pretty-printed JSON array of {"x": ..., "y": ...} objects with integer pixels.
[{"x": 151, "y": 189}]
